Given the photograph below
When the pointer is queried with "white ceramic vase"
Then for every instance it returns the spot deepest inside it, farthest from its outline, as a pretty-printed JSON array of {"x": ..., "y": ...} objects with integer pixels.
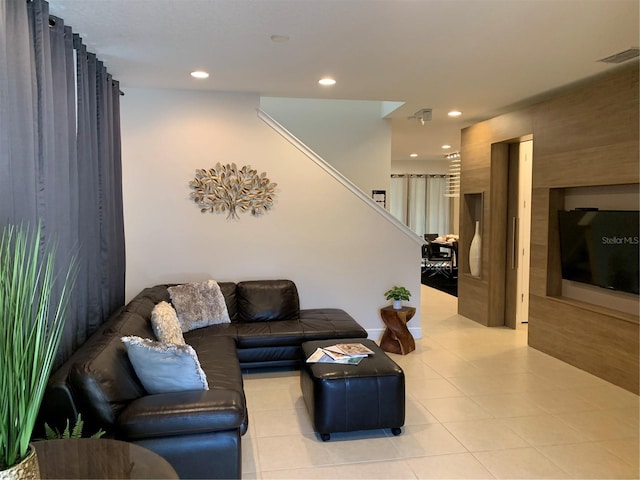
[
  {"x": 397, "y": 304},
  {"x": 474, "y": 252}
]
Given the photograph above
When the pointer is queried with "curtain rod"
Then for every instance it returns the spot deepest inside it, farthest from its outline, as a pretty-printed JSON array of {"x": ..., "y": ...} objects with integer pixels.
[{"x": 52, "y": 23}]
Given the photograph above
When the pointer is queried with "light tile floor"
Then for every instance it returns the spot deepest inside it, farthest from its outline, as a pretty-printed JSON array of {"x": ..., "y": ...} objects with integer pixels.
[{"x": 480, "y": 404}]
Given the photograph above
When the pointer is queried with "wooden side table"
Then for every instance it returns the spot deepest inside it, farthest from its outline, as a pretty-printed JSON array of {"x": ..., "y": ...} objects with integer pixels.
[
  {"x": 102, "y": 458},
  {"x": 396, "y": 337}
]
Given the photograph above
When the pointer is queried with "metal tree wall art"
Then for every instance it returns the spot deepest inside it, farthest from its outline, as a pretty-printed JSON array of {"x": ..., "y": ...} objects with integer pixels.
[{"x": 224, "y": 188}]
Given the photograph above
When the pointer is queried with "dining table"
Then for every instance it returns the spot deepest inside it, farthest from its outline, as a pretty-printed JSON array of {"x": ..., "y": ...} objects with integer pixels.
[{"x": 451, "y": 244}]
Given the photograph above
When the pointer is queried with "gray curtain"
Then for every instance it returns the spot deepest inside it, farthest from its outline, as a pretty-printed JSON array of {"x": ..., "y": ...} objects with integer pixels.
[{"x": 60, "y": 156}]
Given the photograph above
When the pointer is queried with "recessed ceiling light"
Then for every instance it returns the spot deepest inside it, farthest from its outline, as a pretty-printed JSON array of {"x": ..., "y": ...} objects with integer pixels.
[
  {"x": 279, "y": 38},
  {"x": 327, "y": 81},
  {"x": 454, "y": 113},
  {"x": 413, "y": 155},
  {"x": 446, "y": 146},
  {"x": 199, "y": 74}
]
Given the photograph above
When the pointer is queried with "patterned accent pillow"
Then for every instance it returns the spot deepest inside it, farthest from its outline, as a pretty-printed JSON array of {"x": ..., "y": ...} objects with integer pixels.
[
  {"x": 165, "y": 324},
  {"x": 199, "y": 305},
  {"x": 165, "y": 367}
]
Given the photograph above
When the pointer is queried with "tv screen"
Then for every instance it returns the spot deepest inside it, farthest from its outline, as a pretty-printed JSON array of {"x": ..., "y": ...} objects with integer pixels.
[{"x": 600, "y": 247}]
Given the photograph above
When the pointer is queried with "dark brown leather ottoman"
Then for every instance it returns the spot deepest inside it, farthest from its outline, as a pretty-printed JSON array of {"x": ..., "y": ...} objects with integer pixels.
[{"x": 346, "y": 398}]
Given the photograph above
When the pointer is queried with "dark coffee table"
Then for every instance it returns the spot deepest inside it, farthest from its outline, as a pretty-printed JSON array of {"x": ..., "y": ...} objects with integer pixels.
[{"x": 346, "y": 398}]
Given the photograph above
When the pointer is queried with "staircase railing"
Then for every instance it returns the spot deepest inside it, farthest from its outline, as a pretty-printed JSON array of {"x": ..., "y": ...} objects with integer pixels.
[{"x": 353, "y": 188}]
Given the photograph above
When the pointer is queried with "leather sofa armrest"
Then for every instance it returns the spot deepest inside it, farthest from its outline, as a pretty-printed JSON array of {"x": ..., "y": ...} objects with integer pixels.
[{"x": 181, "y": 413}]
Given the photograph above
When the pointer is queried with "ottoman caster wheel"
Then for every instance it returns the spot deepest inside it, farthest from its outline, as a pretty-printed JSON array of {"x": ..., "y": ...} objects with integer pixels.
[
  {"x": 396, "y": 431},
  {"x": 325, "y": 437}
]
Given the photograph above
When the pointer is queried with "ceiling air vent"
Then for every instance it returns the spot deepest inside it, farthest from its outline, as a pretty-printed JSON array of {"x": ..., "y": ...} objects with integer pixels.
[{"x": 621, "y": 57}]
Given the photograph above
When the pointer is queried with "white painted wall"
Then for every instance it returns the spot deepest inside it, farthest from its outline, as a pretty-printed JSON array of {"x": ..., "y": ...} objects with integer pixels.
[
  {"x": 425, "y": 167},
  {"x": 351, "y": 135},
  {"x": 340, "y": 251}
]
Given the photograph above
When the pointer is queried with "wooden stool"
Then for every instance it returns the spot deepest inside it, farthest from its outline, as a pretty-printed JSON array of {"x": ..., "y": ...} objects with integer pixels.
[{"x": 396, "y": 337}]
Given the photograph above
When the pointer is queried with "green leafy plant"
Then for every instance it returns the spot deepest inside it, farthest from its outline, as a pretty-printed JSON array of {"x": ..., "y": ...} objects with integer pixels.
[
  {"x": 75, "y": 432},
  {"x": 31, "y": 327},
  {"x": 397, "y": 293}
]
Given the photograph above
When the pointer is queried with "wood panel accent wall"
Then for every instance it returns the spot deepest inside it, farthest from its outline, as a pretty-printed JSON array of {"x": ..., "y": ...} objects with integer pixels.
[
  {"x": 484, "y": 153},
  {"x": 497, "y": 237},
  {"x": 587, "y": 135}
]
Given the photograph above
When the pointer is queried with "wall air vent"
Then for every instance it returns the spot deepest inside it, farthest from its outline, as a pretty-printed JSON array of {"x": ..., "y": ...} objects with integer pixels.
[{"x": 621, "y": 57}]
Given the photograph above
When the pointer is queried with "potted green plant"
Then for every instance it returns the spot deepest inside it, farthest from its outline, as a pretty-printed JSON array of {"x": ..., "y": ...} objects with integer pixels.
[
  {"x": 68, "y": 432},
  {"x": 32, "y": 323},
  {"x": 397, "y": 294}
]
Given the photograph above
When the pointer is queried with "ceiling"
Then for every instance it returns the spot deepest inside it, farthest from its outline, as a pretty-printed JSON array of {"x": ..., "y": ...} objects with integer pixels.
[{"x": 476, "y": 56}]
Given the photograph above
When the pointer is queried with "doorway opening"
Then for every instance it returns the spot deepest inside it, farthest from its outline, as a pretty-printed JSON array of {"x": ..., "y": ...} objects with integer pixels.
[{"x": 518, "y": 234}]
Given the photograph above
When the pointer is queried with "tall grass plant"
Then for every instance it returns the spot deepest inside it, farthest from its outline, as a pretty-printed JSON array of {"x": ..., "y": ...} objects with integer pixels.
[{"x": 31, "y": 324}]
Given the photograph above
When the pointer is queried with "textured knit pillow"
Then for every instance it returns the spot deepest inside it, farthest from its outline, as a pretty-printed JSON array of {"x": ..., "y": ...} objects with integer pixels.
[
  {"x": 199, "y": 305},
  {"x": 165, "y": 324},
  {"x": 165, "y": 367}
]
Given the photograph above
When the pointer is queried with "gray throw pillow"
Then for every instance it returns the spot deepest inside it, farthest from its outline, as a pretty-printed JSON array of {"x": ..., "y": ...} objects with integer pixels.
[
  {"x": 199, "y": 304},
  {"x": 165, "y": 324},
  {"x": 165, "y": 367}
]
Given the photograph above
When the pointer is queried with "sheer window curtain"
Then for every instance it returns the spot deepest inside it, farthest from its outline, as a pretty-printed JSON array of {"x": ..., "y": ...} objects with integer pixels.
[
  {"x": 398, "y": 198},
  {"x": 437, "y": 206},
  {"x": 419, "y": 202},
  {"x": 60, "y": 156}
]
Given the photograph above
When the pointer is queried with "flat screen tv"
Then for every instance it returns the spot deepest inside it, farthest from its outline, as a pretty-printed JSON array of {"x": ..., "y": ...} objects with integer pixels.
[{"x": 600, "y": 247}]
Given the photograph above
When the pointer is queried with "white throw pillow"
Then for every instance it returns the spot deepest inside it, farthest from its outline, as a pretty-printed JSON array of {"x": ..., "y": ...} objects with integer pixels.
[
  {"x": 165, "y": 367},
  {"x": 199, "y": 304},
  {"x": 165, "y": 324}
]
